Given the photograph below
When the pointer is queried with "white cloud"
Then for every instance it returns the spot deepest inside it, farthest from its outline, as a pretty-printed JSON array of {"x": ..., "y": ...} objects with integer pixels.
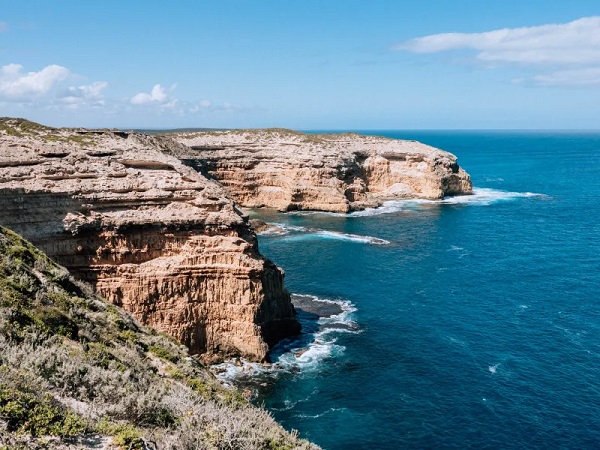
[
  {"x": 91, "y": 91},
  {"x": 208, "y": 105},
  {"x": 16, "y": 85},
  {"x": 156, "y": 95},
  {"x": 566, "y": 46},
  {"x": 87, "y": 95},
  {"x": 576, "y": 42},
  {"x": 53, "y": 89},
  {"x": 589, "y": 76},
  {"x": 48, "y": 89}
]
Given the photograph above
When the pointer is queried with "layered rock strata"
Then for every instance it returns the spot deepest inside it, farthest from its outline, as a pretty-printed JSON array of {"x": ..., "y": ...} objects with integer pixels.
[
  {"x": 151, "y": 234},
  {"x": 288, "y": 170}
]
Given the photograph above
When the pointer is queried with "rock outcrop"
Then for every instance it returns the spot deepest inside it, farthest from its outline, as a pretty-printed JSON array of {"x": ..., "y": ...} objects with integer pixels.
[
  {"x": 151, "y": 234},
  {"x": 288, "y": 170}
]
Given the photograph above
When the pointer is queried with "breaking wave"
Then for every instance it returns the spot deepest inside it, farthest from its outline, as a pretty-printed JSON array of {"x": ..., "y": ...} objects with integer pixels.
[
  {"x": 480, "y": 197},
  {"x": 322, "y": 320},
  {"x": 296, "y": 233}
]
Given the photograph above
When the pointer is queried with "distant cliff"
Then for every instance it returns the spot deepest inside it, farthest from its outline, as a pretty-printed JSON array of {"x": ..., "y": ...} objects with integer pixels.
[
  {"x": 149, "y": 233},
  {"x": 288, "y": 170}
]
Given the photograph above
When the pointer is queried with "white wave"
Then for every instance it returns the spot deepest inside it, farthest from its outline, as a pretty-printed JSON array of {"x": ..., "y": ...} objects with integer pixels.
[
  {"x": 309, "y": 359},
  {"x": 289, "y": 404},
  {"x": 389, "y": 207},
  {"x": 480, "y": 197},
  {"x": 293, "y": 361},
  {"x": 351, "y": 237},
  {"x": 493, "y": 368},
  {"x": 487, "y": 196},
  {"x": 316, "y": 416},
  {"x": 280, "y": 229},
  {"x": 344, "y": 317},
  {"x": 334, "y": 235},
  {"x": 297, "y": 233},
  {"x": 299, "y": 357}
]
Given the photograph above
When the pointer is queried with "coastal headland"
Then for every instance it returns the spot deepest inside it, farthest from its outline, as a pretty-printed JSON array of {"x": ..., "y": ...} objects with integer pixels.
[
  {"x": 289, "y": 170},
  {"x": 152, "y": 223}
]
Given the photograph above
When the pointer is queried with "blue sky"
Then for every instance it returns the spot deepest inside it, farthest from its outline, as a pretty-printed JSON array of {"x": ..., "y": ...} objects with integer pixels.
[{"x": 431, "y": 64}]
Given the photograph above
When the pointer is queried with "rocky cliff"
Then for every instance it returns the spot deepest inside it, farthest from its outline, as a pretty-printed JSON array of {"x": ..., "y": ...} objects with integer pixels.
[
  {"x": 151, "y": 234},
  {"x": 288, "y": 170},
  {"x": 76, "y": 372}
]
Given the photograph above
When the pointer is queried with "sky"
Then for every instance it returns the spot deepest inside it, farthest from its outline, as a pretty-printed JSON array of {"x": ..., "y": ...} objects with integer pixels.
[{"x": 311, "y": 64}]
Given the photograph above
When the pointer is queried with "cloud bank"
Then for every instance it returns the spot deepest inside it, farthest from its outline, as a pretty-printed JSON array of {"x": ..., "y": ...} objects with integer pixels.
[
  {"x": 568, "y": 52},
  {"x": 47, "y": 88},
  {"x": 14, "y": 84},
  {"x": 53, "y": 88}
]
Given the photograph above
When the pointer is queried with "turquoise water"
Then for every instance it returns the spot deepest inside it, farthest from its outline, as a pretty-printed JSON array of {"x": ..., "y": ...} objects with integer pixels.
[{"x": 472, "y": 323}]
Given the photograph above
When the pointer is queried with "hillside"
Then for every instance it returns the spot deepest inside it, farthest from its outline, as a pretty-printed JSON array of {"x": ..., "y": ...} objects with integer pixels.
[{"x": 76, "y": 372}]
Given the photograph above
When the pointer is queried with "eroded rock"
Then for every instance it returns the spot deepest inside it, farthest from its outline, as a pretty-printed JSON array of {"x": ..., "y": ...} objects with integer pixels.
[
  {"x": 151, "y": 234},
  {"x": 288, "y": 170}
]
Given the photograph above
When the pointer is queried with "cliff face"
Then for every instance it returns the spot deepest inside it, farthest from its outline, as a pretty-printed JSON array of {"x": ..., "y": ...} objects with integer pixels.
[
  {"x": 338, "y": 172},
  {"x": 79, "y": 373},
  {"x": 152, "y": 235}
]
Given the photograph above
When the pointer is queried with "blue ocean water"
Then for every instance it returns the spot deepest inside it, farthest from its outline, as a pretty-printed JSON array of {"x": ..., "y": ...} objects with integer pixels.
[{"x": 471, "y": 323}]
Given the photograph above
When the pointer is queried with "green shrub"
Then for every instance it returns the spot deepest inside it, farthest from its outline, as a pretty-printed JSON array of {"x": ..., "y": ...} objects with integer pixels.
[
  {"x": 25, "y": 412},
  {"x": 163, "y": 353},
  {"x": 125, "y": 435},
  {"x": 53, "y": 321}
]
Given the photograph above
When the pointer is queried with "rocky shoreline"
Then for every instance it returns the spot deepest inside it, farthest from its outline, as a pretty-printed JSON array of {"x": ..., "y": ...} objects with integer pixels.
[
  {"x": 152, "y": 222},
  {"x": 77, "y": 372}
]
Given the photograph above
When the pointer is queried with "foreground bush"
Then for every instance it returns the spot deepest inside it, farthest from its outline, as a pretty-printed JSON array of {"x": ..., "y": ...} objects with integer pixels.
[{"x": 76, "y": 372}]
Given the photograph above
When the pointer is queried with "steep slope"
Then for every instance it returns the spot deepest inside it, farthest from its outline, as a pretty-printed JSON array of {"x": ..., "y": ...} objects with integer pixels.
[
  {"x": 76, "y": 372},
  {"x": 150, "y": 234},
  {"x": 288, "y": 170}
]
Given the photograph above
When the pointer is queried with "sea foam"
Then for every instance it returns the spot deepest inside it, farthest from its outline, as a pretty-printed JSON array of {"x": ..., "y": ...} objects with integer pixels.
[
  {"x": 480, "y": 197},
  {"x": 297, "y": 233},
  {"x": 304, "y": 353}
]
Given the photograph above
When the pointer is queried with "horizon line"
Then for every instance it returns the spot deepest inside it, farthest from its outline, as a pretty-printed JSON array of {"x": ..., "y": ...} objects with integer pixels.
[{"x": 342, "y": 130}]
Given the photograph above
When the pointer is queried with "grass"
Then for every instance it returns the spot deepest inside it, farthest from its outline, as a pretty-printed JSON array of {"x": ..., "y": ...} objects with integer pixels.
[
  {"x": 267, "y": 134},
  {"x": 22, "y": 128},
  {"x": 72, "y": 365}
]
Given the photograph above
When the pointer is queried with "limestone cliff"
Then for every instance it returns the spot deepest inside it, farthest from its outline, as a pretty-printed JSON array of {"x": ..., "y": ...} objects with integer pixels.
[
  {"x": 288, "y": 170},
  {"x": 151, "y": 234}
]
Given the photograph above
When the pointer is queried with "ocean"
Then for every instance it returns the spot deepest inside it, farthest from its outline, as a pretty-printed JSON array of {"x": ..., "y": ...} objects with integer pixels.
[{"x": 472, "y": 322}]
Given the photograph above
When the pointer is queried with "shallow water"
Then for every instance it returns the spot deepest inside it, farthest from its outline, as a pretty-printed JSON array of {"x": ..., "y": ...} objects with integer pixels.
[{"x": 472, "y": 322}]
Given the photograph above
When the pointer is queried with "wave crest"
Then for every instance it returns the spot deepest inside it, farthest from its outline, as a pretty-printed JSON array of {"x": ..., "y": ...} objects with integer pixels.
[
  {"x": 301, "y": 354},
  {"x": 297, "y": 233},
  {"x": 480, "y": 197}
]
